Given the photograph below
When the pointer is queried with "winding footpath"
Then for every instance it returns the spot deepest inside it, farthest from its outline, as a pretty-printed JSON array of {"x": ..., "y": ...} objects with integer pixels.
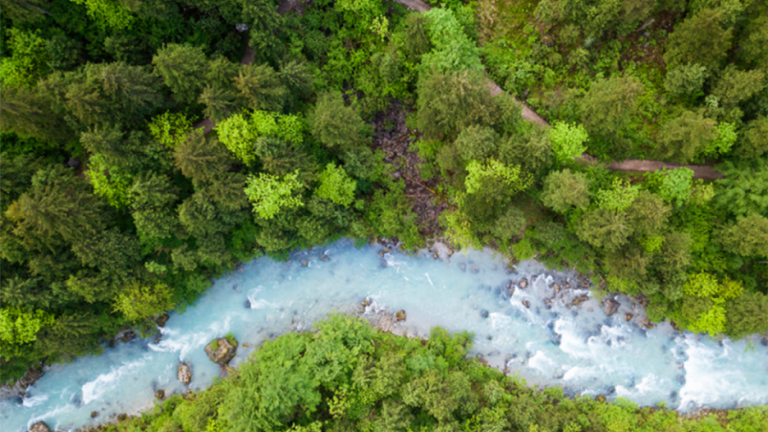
[{"x": 704, "y": 172}]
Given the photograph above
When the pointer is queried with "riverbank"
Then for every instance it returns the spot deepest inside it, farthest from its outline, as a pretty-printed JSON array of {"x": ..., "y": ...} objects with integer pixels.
[
  {"x": 431, "y": 383},
  {"x": 573, "y": 344}
]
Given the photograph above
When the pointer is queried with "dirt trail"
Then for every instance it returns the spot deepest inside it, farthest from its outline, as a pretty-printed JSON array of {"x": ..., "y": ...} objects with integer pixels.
[{"x": 705, "y": 172}]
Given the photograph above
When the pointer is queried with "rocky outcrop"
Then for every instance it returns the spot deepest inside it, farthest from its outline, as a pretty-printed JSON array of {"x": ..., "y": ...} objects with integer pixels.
[
  {"x": 39, "y": 427},
  {"x": 611, "y": 307},
  {"x": 184, "y": 373},
  {"x": 400, "y": 316},
  {"x": 579, "y": 300},
  {"x": 162, "y": 319},
  {"x": 221, "y": 351}
]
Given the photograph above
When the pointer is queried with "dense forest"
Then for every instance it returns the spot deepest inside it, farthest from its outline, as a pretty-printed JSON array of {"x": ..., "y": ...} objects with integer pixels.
[
  {"x": 360, "y": 118},
  {"x": 346, "y": 376}
]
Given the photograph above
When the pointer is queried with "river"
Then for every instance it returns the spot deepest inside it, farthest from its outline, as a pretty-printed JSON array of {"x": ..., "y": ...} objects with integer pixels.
[{"x": 577, "y": 347}]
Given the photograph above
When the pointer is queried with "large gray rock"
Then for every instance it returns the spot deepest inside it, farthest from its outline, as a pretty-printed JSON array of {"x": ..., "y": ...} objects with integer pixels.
[
  {"x": 184, "y": 373},
  {"x": 611, "y": 307},
  {"x": 39, "y": 427},
  {"x": 221, "y": 351}
]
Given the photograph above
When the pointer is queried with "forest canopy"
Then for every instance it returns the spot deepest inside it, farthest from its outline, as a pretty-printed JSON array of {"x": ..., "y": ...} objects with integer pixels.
[{"x": 148, "y": 146}]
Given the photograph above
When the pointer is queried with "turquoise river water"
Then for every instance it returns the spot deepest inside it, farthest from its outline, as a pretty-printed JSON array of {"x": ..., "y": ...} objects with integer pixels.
[{"x": 578, "y": 348}]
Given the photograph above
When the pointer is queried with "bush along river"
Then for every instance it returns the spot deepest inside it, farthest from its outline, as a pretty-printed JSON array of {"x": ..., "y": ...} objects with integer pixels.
[{"x": 541, "y": 324}]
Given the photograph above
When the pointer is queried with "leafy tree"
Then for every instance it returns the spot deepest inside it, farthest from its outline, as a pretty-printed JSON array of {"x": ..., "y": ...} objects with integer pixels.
[
  {"x": 220, "y": 102},
  {"x": 18, "y": 327},
  {"x": 265, "y": 23},
  {"x": 201, "y": 158},
  {"x": 58, "y": 203},
  {"x": 153, "y": 201},
  {"x": 673, "y": 186},
  {"x": 754, "y": 142},
  {"x": 270, "y": 194},
  {"x": 618, "y": 197},
  {"x": 510, "y": 224},
  {"x": 479, "y": 174},
  {"x": 744, "y": 190},
  {"x": 476, "y": 142},
  {"x": 452, "y": 50},
  {"x": 140, "y": 302},
  {"x": 260, "y": 87},
  {"x": 27, "y": 63},
  {"x": 746, "y": 315},
  {"x": 684, "y": 136},
  {"x": 567, "y": 141},
  {"x": 450, "y": 102},
  {"x": 108, "y": 13},
  {"x": 735, "y": 86},
  {"x": 239, "y": 136},
  {"x": 23, "y": 11},
  {"x": 604, "y": 228},
  {"x": 532, "y": 151},
  {"x": 747, "y": 237},
  {"x": 170, "y": 129},
  {"x": 182, "y": 69},
  {"x": 608, "y": 107},
  {"x": 686, "y": 46},
  {"x": 564, "y": 190},
  {"x": 28, "y": 113},
  {"x": 336, "y": 185},
  {"x": 725, "y": 139},
  {"x": 109, "y": 182},
  {"x": 686, "y": 81},
  {"x": 334, "y": 124},
  {"x": 648, "y": 215}
]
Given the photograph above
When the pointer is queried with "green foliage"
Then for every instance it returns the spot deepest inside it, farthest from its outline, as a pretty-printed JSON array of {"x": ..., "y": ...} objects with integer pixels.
[
  {"x": 608, "y": 108},
  {"x": 568, "y": 141},
  {"x": 747, "y": 237},
  {"x": 493, "y": 171},
  {"x": 140, "y": 301},
  {"x": 27, "y": 63},
  {"x": 170, "y": 129},
  {"x": 108, "y": 13},
  {"x": 686, "y": 81},
  {"x": 270, "y": 194},
  {"x": 686, "y": 135},
  {"x": 452, "y": 49},
  {"x": 182, "y": 69},
  {"x": 735, "y": 86},
  {"x": 685, "y": 45},
  {"x": 336, "y": 185},
  {"x": 618, "y": 197},
  {"x": 336, "y": 125},
  {"x": 18, "y": 327},
  {"x": 673, "y": 186},
  {"x": 564, "y": 190},
  {"x": 109, "y": 182},
  {"x": 238, "y": 135},
  {"x": 451, "y": 102},
  {"x": 725, "y": 139},
  {"x": 476, "y": 142},
  {"x": 753, "y": 143}
]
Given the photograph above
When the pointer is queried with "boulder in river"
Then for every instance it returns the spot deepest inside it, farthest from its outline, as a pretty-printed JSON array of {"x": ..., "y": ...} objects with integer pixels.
[
  {"x": 324, "y": 257},
  {"x": 526, "y": 303},
  {"x": 162, "y": 319},
  {"x": 122, "y": 417},
  {"x": 222, "y": 350},
  {"x": 484, "y": 313},
  {"x": 39, "y": 427},
  {"x": 160, "y": 394},
  {"x": 184, "y": 373},
  {"x": 628, "y": 317},
  {"x": 523, "y": 284},
  {"x": 94, "y": 414},
  {"x": 611, "y": 307},
  {"x": 400, "y": 315},
  {"x": 579, "y": 300}
]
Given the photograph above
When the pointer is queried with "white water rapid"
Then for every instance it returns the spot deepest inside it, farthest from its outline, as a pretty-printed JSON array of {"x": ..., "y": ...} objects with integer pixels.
[{"x": 577, "y": 347}]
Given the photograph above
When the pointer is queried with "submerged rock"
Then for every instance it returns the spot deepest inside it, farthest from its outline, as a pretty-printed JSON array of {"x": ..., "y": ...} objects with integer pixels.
[
  {"x": 184, "y": 373},
  {"x": 484, "y": 313},
  {"x": 162, "y": 319},
  {"x": 305, "y": 263},
  {"x": 579, "y": 300},
  {"x": 160, "y": 394},
  {"x": 611, "y": 307},
  {"x": 221, "y": 351},
  {"x": 548, "y": 302},
  {"x": 324, "y": 257},
  {"x": 523, "y": 284},
  {"x": 526, "y": 303},
  {"x": 400, "y": 315},
  {"x": 628, "y": 317},
  {"x": 39, "y": 427},
  {"x": 94, "y": 414},
  {"x": 128, "y": 336}
]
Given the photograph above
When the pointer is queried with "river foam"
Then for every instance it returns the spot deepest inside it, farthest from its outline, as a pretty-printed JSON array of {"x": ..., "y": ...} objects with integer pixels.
[{"x": 577, "y": 347}]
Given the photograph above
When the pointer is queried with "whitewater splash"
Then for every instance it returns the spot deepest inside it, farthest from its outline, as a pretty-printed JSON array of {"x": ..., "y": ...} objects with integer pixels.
[{"x": 535, "y": 332}]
